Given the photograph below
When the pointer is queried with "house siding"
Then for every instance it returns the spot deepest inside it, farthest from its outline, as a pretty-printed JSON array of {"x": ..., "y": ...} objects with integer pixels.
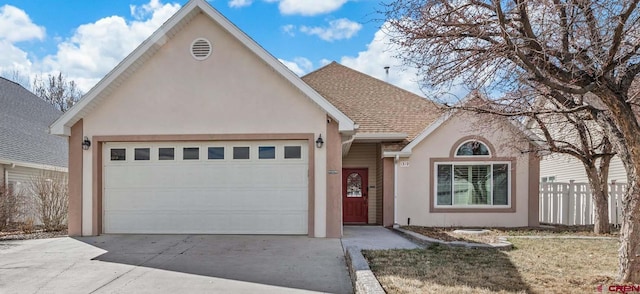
[
  {"x": 566, "y": 168},
  {"x": 379, "y": 184},
  {"x": 364, "y": 155}
]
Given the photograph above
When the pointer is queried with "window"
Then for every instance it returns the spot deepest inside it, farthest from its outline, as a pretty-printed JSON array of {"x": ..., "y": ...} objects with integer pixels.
[
  {"x": 191, "y": 153},
  {"x": 464, "y": 184},
  {"x": 550, "y": 179},
  {"x": 354, "y": 185},
  {"x": 266, "y": 152},
  {"x": 118, "y": 154},
  {"x": 141, "y": 153},
  {"x": 472, "y": 148},
  {"x": 292, "y": 152},
  {"x": 240, "y": 152},
  {"x": 215, "y": 153},
  {"x": 166, "y": 153}
]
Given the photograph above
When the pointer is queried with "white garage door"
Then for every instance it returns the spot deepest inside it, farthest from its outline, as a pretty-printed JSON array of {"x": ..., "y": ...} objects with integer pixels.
[{"x": 244, "y": 187}]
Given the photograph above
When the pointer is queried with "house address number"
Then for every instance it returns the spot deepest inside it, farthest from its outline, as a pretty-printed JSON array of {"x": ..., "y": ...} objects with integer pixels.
[{"x": 404, "y": 164}]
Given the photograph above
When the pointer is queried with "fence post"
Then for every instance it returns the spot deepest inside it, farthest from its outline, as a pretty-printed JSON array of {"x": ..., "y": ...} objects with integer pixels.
[{"x": 566, "y": 202}]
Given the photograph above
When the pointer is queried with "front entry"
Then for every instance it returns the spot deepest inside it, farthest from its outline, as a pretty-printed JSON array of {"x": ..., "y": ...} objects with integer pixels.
[{"x": 354, "y": 195}]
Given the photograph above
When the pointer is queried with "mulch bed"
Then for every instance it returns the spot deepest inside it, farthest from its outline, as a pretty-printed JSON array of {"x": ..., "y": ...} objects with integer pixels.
[{"x": 37, "y": 234}]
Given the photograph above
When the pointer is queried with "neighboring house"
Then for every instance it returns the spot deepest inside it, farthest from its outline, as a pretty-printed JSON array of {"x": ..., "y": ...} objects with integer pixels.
[
  {"x": 200, "y": 130},
  {"x": 561, "y": 168},
  {"x": 26, "y": 147}
]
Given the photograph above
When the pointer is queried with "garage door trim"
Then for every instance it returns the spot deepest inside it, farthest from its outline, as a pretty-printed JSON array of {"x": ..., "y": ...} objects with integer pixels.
[{"x": 98, "y": 166}]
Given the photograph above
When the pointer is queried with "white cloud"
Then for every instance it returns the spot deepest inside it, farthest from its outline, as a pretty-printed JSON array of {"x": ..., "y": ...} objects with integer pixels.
[
  {"x": 308, "y": 7},
  {"x": 289, "y": 29},
  {"x": 95, "y": 48},
  {"x": 299, "y": 65},
  {"x": 338, "y": 29},
  {"x": 239, "y": 3},
  {"x": 380, "y": 53},
  {"x": 16, "y": 26}
]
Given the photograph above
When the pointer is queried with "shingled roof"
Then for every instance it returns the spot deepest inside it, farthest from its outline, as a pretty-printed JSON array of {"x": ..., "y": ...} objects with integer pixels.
[
  {"x": 24, "y": 128},
  {"x": 376, "y": 106}
]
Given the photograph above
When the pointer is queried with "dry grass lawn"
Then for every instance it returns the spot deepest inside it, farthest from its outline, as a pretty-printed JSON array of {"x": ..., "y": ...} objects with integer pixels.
[
  {"x": 448, "y": 234},
  {"x": 534, "y": 266}
]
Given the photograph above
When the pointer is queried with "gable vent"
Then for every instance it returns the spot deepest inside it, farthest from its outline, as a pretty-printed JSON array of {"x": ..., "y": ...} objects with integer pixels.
[{"x": 201, "y": 49}]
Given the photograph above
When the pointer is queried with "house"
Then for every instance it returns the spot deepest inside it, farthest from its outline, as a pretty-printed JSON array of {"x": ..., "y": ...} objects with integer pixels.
[
  {"x": 26, "y": 147},
  {"x": 561, "y": 168},
  {"x": 200, "y": 130}
]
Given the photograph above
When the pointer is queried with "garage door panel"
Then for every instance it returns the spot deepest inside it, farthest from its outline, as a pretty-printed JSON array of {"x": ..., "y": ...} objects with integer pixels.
[
  {"x": 201, "y": 222},
  {"x": 228, "y": 196}
]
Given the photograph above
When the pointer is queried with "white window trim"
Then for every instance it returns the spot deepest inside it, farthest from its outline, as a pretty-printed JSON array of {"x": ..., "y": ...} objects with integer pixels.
[
  {"x": 486, "y": 206},
  {"x": 455, "y": 154}
]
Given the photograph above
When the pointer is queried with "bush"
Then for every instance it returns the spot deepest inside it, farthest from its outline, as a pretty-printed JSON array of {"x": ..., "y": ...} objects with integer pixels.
[
  {"x": 10, "y": 206},
  {"x": 51, "y": 199}
]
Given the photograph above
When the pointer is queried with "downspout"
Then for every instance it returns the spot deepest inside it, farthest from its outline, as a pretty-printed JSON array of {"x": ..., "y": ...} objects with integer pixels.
[
  {"x": 6, "y": 176},
  {"x": 395, "y": 191}
]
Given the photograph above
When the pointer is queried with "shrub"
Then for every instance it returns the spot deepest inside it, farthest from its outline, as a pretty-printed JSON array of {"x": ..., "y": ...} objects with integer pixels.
[
  {"x": 51, "y": 199},
  {"x": 10, "y": 206}
]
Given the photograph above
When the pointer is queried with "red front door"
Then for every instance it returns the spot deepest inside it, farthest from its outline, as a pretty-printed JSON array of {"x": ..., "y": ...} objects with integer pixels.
[{"x": 354, "y": 195}]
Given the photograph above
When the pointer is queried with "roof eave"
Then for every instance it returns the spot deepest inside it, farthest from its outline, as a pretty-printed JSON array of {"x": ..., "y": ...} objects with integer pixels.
[{"x": 380, "y": 137}]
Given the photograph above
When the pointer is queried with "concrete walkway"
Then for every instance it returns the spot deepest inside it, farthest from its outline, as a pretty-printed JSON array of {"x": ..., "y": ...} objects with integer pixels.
[
  {"x": 174, "y": 264},
  {"x": 374, "y": 237}
]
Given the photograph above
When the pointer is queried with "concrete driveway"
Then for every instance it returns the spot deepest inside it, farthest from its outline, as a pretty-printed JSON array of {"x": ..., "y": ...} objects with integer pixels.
[{"x": 174, "y": 264}]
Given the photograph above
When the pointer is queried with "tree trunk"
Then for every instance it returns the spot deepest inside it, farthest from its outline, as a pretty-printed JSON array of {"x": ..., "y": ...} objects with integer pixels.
[
  {"x": 630, "y": 234},
  {"x": 598, "y": 182},
  {"x": 623, "y": 130},
  {"x": 600, "y": 212}
]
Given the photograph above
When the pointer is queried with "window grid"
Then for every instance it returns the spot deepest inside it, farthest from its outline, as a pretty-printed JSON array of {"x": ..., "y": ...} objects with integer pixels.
[{"x": 470, "y": 165}]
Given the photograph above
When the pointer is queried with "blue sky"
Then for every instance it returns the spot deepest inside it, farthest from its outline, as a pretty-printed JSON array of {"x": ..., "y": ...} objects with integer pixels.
[{"x": 85, "y": 39}]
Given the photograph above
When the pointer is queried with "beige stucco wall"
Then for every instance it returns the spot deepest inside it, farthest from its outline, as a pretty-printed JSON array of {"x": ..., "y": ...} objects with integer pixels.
[
  {"x": 231, "y": 92},
  {"x": 414, "y": 180}
]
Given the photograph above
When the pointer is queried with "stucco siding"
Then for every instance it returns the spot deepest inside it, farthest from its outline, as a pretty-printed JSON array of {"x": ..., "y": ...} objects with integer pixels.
[
  {"x": 363, "y": 155},
  {"x": 415, "y": 174},
  {"x": 566, "y": 168},
  {"x": 231, "y": 92}
]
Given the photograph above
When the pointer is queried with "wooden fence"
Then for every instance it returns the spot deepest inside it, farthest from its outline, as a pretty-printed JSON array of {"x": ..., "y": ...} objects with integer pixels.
[{"x": 571, "y": 204}]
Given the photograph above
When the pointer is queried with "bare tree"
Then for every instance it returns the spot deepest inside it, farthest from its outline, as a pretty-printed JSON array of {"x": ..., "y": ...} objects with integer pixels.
[
  {"x": 51, "y": 198},
  {"x": 10, "y": 206},
  {"x": 17, "y": 77},
  {"x": 57, "y": 90},
  {"x": 563, "y": 49},
  {"x": 563, "y": 131}
]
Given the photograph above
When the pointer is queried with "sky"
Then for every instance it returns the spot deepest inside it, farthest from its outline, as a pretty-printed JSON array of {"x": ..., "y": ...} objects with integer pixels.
[{"x": 85, "y": 39}]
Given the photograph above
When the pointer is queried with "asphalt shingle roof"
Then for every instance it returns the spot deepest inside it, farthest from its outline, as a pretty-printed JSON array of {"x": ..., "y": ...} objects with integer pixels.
[
  {"x": 24, "y": 128},
  {"x": 376, "y": 106}
]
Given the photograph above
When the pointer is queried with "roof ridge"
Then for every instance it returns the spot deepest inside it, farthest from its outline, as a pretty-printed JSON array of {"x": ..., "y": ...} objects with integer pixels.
[{"x": 376, "y": 79}]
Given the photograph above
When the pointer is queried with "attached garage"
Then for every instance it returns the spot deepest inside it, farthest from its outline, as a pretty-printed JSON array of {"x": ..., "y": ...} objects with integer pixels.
[
  {"x": 218, "y": 187},
  {"x": 229, "y": 142}
]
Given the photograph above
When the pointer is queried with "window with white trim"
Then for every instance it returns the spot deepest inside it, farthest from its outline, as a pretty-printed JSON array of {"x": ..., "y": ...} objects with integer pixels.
[{"x": 473, "y": 184}]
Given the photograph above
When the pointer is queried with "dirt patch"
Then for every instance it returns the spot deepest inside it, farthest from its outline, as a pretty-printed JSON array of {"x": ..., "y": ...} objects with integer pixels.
[{"x": 447, "y": 234}]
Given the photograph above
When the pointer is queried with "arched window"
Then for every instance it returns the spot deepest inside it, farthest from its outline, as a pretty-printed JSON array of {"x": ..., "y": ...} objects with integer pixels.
[{"x": 472, "y": 148}]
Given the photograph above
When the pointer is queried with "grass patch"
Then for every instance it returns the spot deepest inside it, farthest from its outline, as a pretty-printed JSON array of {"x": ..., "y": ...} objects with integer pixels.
[{"x": 534, "y": 266}]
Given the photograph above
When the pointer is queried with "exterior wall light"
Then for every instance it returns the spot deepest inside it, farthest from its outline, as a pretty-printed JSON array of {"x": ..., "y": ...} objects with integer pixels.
[
  {"x": 86, "y": 143},
  {"x": 319, "y": 141}
]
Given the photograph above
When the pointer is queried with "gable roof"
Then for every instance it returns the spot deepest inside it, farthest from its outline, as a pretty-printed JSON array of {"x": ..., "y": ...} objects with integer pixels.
[
  {"x": 169, "y": 29},
  {"x": 24, "y": 136},
  {"x": 375, "y": 105},
  {"x": 471, "y": 98}
]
